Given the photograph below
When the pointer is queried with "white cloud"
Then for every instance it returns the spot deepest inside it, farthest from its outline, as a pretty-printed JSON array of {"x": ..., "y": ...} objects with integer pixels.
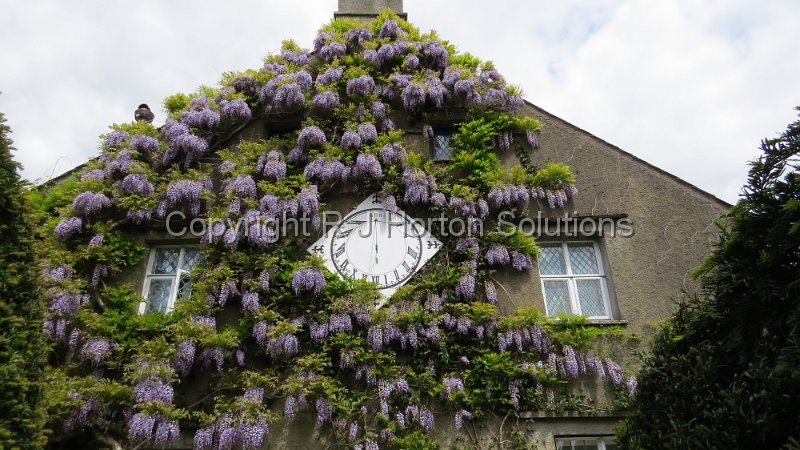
[{"x": 691, "y": 87}]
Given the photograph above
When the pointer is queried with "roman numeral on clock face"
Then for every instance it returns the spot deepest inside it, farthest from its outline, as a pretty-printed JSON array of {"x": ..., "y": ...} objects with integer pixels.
[{"x": 413, "y": 253}]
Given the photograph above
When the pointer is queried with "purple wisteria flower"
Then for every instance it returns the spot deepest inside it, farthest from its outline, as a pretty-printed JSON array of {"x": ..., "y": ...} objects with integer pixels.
[
  {"x": 115, "y": 138},
  {"x": 326, "y": 101},
  {"x": 597, "y": 366},
  {"x": 372, "y": 57},
  {"x": 271, "y": 165},
  {"x": 236, "y": 109},
  {"x": 496, "y": 97},
  {"x": 387, "y": 124},
  {"x": 497, "y": 255},
  {"x": 243, "y": 186},
  {"x": 400, "y": 80},
  {"x": 389, "y": 29},
  {"x": 89, "y": 203},
  {"x": 178, "y": 192},
  {"x": 250, "y": 302},
  {"x": 213, "y": 355},
  {"x": 244, "y": 84},
  {"x": 144, "y": 144},
  {"x": 331, "y": 51},
  {"x": 360, "y": 86},
  {"x": 136, "y": 183},
  {"x": 367, "y": 131},
  {"x": 386, "y": 53},
  {"x": 311, "y": 136},
  {"x": 168, "y": 432},
  {"x": 184, "y": 358},
  {"x": 94, "y": 174},
  {"x": 351, "y": 140},
  {"x": 330, "y": 76},
  {"x": 491, "y": 293},
  {"x": 58, "y": 273},
  {"x": 458, "y": 420},
  {"x": 393, "y": 154},
  {"x": 468, "y": 246},
  {"x": 614, "y": 371},
  {"x": 324, "y": 411},
  {"x": 308, "y": 279},
  {"x": 282, "y": 344},
  {"x": 514, "y": 389},
  {"x": 570, "y": 363},
  {"x": 419, "y": 186},
  {"x": 67, "y": 227},
  {"x": 66, "y": 303},
  {"x": 153, "y": 390},
  {"x": 295, "y": 57},
  {"x": 366, "y": 165},
  {"x": 95, "y": 351},
  {"x": 630, "y": 385},
  {"x": 466, "y": 283},
  {"x": 325, "y": 170},
  {"x": 413, "y": 96},
  {"x": 412, "y": 61},
  {"x": 357, "y": 36},
  {"x": 532, "y": 139},
  {"x": 140, "y": 427},
  {"x": 435, "y": 55},
  {"x": 452, "y": 385},
  {"x": 200, "y": 118},
  {"x": 378, "y": 109},
  {"x": 520, "y": 260},
  {"x": 322, "y": 38}
]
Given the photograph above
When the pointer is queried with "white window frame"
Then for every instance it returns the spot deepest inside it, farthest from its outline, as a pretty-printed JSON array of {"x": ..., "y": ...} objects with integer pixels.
[
  {"x": 176, "y": 277},
  {"x": 600, "y": 440},
  {"x": 571, "y": 279}
]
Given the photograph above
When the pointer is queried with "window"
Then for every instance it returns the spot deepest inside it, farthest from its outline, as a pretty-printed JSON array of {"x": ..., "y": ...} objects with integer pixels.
[
  {"x": 573, "y": 280},
  {"x": 166, "y": 278},
  {"x": 440, "y": 146},
  {"x": 585, "y": 443}
]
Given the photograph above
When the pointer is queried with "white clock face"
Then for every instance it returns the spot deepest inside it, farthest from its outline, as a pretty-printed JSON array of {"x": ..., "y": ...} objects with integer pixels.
[{"x": 376, "y": 245}]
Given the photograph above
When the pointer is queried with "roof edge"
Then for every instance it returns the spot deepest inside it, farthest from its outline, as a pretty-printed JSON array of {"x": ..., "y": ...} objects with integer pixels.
[{"x": 699, "y": 190}]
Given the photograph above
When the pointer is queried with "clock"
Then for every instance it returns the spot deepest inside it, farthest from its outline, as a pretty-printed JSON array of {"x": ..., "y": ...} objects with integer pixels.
[{"x": 374, "y": 244}]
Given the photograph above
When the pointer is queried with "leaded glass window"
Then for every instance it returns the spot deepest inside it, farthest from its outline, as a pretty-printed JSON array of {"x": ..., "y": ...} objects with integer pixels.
[
  {"x": 441, "y": 149},
  {"x": 167, "y": 277},
  {"x": 573, "y": 280},
  {"x": 586, "y": 443}
]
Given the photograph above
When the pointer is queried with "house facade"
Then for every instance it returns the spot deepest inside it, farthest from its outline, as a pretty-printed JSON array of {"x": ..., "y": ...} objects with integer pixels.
[{"x": 617, "y": 241}]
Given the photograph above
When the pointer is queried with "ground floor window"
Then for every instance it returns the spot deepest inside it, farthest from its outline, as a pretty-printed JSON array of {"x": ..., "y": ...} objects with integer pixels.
[
  {"x": 167, "y": 277},
  {"x": 586, "y": 443}
]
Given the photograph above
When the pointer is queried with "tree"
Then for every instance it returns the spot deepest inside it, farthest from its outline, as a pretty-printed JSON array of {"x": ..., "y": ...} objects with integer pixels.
[
  {"x": 725, "y": 370},
  {"x": 21, "y": 342}
]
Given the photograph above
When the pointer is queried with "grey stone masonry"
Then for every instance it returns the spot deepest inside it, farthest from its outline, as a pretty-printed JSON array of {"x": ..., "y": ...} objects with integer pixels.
[{"x": 367, "y": 9}]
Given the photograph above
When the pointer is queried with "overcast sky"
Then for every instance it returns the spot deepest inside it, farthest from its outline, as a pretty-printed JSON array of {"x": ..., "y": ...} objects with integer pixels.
[{"x": 689, "y": 86}]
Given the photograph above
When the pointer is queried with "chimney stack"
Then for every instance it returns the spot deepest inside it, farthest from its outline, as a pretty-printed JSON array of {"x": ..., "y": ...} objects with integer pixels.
[{"x": 367, "y": 9}]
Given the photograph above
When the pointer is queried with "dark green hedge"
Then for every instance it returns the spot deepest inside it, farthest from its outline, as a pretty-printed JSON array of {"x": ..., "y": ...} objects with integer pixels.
[
  {"x": 725, "y": 371},
  {"x": 21, "y": 343}
]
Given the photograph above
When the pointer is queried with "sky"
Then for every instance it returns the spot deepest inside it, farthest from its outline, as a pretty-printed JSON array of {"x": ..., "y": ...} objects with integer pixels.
[{"x": 691, "y": 87}]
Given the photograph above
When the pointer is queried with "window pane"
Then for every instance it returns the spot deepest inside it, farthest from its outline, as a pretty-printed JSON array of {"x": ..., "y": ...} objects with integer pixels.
[
  {"x": 165, "y": 260},
  {"x": 158, "y": 295},
  {"x": 551, "y": 261},
  {"x": 191, "y": 256},
  {"x": 611, "y": 446},
  {"x": 582, "y": 259},
  {"x": 590, "y": 296},
  {"x": 556, "y": 294},
  {"x": 563, "y": 444},
  {"x": 441, "y": 147},
  {"x": 586, "y": 444},
  {"x": 184, "y": 288}
]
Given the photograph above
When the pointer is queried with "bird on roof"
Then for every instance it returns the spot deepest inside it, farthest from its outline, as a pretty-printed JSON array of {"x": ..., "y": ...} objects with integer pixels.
[{"x": 144, "y": 113}]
